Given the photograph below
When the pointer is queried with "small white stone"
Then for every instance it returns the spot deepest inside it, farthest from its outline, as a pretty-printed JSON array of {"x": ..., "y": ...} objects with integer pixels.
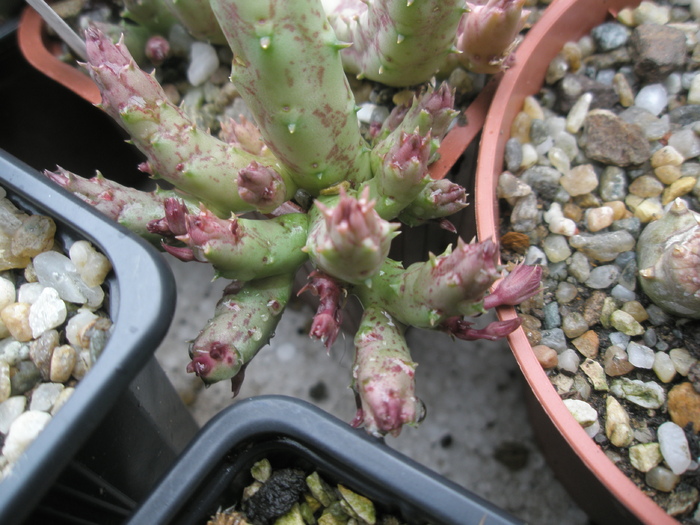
[
  {"x": 29, "y": 292},
  {"x": 10, "y": 410},
  {"x": 645, "y": 456},
  {"x": 599, "y": 218},
  {"x": 640, "y": 356},
  {"x": 577, "y": 113},
  {"x": 583, "y": 413},
  {"x": 76, "y": 325},
  {"x": 44, "y": 396},
  {"x": 674, "y": 447},
  {"x": 8, "y": 293},
  {"x": 694, "y": 91},
  {"x": 653, "y": 98},
  {"x": 617, "y": 423},
  {"x": 569, "y": 361},
  {"x": 530, "y": 156},
  {"x": 47, "y": 312},
  {"x": 203, "y": 63},
  {"x": 57, "y": 271},
  {"x": 22, "y": 432}
]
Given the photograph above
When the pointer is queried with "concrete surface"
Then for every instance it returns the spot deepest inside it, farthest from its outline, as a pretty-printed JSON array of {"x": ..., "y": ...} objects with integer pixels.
[{"x": 472, "y": 390}]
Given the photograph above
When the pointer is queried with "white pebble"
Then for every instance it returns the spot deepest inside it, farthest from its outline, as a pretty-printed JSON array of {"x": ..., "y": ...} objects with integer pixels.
[
  {"x": 10, "y": 410},
  {"x": 653, "y": 98},
  {"x": 8, "y": 293},
  {"x": 44, "y": 396},
  {"x": 22, "y": 432},
  {"x": 640, "y": 356},
  {"x": 623, "y": 294},
  {"x": 47, "y": 312},
  {"x": 76, "y": 326},
  {"x": 674, "y": 447},
  {"x": 569, "y": 361},
  {"x": 29, "y": 292},
  {"x": 583, "y": 413},
  {"x": 203, "y": 63},
  {"x": 682, "y": 360},
  {"x": 58, "y": 271}
]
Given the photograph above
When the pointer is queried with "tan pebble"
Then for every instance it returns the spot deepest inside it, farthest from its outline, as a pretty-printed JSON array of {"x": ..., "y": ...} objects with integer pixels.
[
  {"x": 572, "y": 211},
  {"x": 646, "y": 186},
  {"x": 633, "y": 201},
  {"x": 623, "y": 90},
  {"x": 684, "y": 406},
  {"x": 546, "y": 356},
  {"x": 82, "y": 364},
  {"x": 562, "y": 383},
  {"x": 530, "y": 156},
  {"x": 580, "y": 180},
  {"x": 16, "y": 319},
  {"x": 92, "y": 266},
  {"x": 667, "y": 174},
  {"x": 593, "y": 307},
  {"x": 573, "y": 55},
  {"x": 636, "y": 310},
  {"x": 619, "y": 209},
  {"x": 679, "y": 188},
  {"x": 599, "y": 218},
  {"x": 520, "y": 128},
  {"x": 34, "y": 236},
  {"x": 532, "y": 108},
  {"x": 626, "y": 16},
  {"x": 666, "y": 156},
  {"x": 617, "y": 423},
  {"x": 596, "y": 374},
  {"x": 587, "y": 344},
  {"x": 532, "y": 327},
  {"x": 61, "y": 399},
  {"x": 63, "y": 362},
  {"x": 5, "y": 383},
  {"x": 577, "y": 113},
  {"x": 649, "y": 210},
  {"x": 682, "y": 360},
  {"x": 645, "y": 456}
]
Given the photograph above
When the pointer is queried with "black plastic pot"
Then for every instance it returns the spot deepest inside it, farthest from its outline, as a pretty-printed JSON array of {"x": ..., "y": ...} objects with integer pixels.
[
  {"x": 215, "y": 467},
  {"x": 124, "y": 424}
]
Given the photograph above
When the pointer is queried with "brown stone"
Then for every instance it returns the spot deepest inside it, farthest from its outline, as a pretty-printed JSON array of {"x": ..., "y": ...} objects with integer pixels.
[
  {"x": 587, "y": 344},
  {"x": 657, "y": 50},
  {"x": 593, "y": 307},
  {"x": 609, "y": 139},
  {"x": 531, "y": 326},
  {"x": 684, "y": 406},
  {"x": 546, "y": 356}
]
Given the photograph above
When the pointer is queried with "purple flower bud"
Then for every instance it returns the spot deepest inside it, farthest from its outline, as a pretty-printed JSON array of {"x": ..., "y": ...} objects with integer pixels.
[
  {"x": 328, "y": 317},
  {"x": 520, "y": 284},
  {"x": 157, "y": 49},
  {"x": 462, "y": 329},
  {"x": 261, "y": 186}
]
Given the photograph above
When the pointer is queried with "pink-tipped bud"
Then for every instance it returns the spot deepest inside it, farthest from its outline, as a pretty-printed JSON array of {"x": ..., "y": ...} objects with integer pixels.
[
  {"x": 459, "y": 279},
  {"x": 114, "y": 71},
  {"x": 489, "y": 34},
  {"x": 243, "y": 134},
  {"x": 174, "y": 222},
  {"x": 213, "y": 361},
  {"x": 462, "y": 329},
  {"x": 157, "y": 49},
  {"x": 520, "y": 284},
  {"x": 328, "y": 317},
  {"x": 353, "y": 241},
  {"x": 447, "y": 197},
  {"x": 261, "y": 186},
  {"x": 206, "y": 227}
]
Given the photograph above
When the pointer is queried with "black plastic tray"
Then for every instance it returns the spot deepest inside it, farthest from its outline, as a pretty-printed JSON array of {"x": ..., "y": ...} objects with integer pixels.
[
  {"x": 291, "y": 432},
  {"x": 124, "y": 421}
]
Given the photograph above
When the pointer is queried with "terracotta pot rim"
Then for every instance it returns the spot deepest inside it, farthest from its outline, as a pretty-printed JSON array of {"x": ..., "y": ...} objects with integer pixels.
[{"x": 534, "y": 55}]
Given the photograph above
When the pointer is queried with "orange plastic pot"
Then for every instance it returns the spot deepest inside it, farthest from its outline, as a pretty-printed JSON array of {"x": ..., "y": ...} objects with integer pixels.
[{"x": 604, "y": 492}]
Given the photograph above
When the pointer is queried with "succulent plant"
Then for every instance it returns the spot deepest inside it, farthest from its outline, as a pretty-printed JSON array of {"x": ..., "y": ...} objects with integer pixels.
[
  {"x": 668, "y": 257},
  {"x": 321, "y": 191}
]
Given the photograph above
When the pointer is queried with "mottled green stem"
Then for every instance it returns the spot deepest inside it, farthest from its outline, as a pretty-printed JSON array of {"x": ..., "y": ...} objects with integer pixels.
[
  {"x": 132, "y": 208},
  {"x": 396, "y": 42},
  {"x": 288, "y": 70},
  {"x": 177, "y": 150},
  {"x": 244, "y": 320},
  {"x": 197, "y": 17},
  {"x": 152, "y": 14},
  {"x": 384, "y": 375},
  {"x": 244, "y": 249}
]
